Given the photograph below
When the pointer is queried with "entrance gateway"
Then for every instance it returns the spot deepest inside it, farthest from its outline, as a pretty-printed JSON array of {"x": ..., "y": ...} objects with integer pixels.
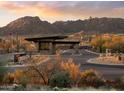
[{"x": 51, "y": 42}]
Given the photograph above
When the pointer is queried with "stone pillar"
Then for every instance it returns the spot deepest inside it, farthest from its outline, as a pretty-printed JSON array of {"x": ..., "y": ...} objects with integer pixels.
[
  {"x": 76, "y": 47},
  {"x": 107, "y": 52},
  {"x": 52, "y": 48},
  {"x": 16, "y": 58},
  {"x": 39, "y": 46},
  {"x": 73, "y": 46}
]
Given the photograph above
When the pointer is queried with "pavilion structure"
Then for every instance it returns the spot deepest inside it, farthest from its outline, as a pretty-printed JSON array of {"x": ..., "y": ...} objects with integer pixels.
[{"x": 52, "y": 41}]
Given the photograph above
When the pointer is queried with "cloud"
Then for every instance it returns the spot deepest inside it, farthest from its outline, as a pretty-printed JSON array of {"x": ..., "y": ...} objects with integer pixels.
[
  {"x": 27, "y": 7},
  {"x": 63, "y": 10}
]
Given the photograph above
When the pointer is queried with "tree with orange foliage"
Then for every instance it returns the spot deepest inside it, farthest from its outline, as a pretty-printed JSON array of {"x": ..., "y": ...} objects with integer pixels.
[
  {"x": 73, "y": 69},
  {"x": 44, "y": 70},
  {"x": 115, "y": 43},
  {"x": 98, "y": 43},
  {"x": 12, "y": 45}
]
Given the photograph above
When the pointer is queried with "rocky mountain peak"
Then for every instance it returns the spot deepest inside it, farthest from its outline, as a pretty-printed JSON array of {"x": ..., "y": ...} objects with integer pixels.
[
  {"x": 29, "y": 25},
  {"x": 27, "y": 20}
]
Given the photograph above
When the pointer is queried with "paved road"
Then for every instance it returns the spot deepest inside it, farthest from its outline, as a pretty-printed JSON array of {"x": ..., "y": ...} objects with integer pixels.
[{"x": 109, "y": 72}]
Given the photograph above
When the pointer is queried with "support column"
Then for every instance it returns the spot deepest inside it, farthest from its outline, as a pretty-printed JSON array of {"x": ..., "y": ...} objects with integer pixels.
[
  {"x": 72, "y": 46},
  {"x": 76, "y": 47},
  {"x": 39, "y": 46},
  {"x": 52, "y": 48}
]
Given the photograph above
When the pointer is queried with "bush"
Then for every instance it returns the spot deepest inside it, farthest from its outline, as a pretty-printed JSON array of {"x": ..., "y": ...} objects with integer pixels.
[
  {"x": 18, "y": 77},
  {"x": 9, "y": 78},
  {"x": 19, "y": 87},
  {"x": 91, "y": 78},
  {"x": 118, "y": 84},
  {"x": 60, "y": 79},
  {"x": 2, "y": 74},
  {"x": 73, "y": 69}
]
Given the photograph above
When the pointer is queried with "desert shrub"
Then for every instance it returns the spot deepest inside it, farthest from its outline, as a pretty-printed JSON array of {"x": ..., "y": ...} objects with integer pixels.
[
  {"x": 2, "y": 74},
  {"x": 10, "y": 44},
  {"x": 9, "y": 78},
  {"x": 73, "y": 69},
  {"x": 19, "y": 87},
  {"x": 44, "y": 71},
  {"x": 91, "y": 78},
  {"x": 18, "y": 76},
  {"x": 47, "y": 70},
  {"x": 60, "y": 79},
  {"x": 118, "y": 83}
]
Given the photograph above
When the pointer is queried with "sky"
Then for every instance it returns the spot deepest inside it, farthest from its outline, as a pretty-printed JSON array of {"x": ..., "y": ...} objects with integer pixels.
[{"x": 59, "y": 10}]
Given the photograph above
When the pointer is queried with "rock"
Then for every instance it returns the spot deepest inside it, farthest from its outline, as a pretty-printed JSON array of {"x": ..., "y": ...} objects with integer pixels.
[{"x": 56, "y": 88}]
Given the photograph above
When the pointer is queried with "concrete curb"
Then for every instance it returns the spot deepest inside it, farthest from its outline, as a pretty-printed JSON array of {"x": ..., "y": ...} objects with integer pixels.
[
  {"x": 92, "y": 52},
  {"x": 91, "y": 61}
]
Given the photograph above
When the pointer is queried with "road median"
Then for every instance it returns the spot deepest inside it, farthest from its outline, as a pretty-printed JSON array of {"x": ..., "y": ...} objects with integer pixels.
[{"x": 95, "y": 61}]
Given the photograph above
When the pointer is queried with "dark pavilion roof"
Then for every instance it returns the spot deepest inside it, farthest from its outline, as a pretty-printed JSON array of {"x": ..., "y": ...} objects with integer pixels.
[
  {"x": 59, "y": 39},
  {"x": 53, "y": 37}
]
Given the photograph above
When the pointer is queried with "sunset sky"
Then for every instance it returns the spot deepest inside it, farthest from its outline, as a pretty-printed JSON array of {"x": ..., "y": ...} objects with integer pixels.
[{"x": 61, "y": 10}]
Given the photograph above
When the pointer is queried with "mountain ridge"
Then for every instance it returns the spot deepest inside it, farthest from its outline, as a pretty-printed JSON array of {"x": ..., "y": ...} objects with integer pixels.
[
  {"x": 93, "y": 25},
  {"x": 29, "y": 25}
]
